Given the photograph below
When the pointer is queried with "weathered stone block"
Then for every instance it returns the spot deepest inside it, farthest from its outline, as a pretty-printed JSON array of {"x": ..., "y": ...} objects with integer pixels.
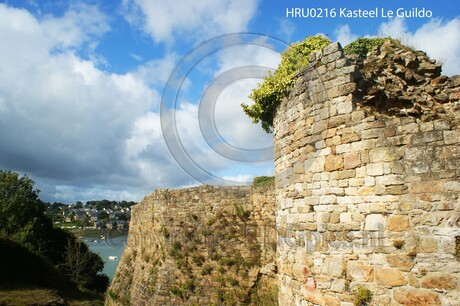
[
  {"x": 333, "y": 163},
  {"x": 416, "y": 297},
  {"x": 401, "y": 261},
  {"x": 314, "y": 296},
  {"x": 363, "y": 145},
  {"x": 338, "y": 120},
  {"x": 338, "y": 285},
  {"x": 374, "y": 169},
  {"x": 385, "y": 154},
  {"x": 440, "y": 281},
  {"x": 350, "y": 137},
  {"x": 426, "y": 187},
  {"x": 396, "y": 190},
  {"x": 397, "y": 167},
  {"x": 359, "y": 272},
  {"x": 298, "y": 168},
  {"x": 332, "y": 48},
  {"x": 328, "y": 199},
  {"x": 329, "y": 133},
  {"x": 357, "y": 115},
  {"x": 390, "y": 277},
  {"x": 411, "y": 128},
  {"x": 346, "y": 89},
  {"x": 344, "y": 148},
  {"x": 344, "y": 106},
  {"x": 427, "y": 245},
  {"x": 372, "y": 133},
  {"x": 334, "y": 266},
  {"x": 451, "y": 137},
  {"x": 398, "y": 223},
  {"x": 452, "y": 186},
  {"x": 392, "y": 179},
  {"x": 366, "y": 191},
  {"x": 422, "y": 138},
  {"x": 315, "y": 165},
  {"x": 352, "y": 160},
  {"x": 319, "y": 126},
  {"x": 375, "y": 222},
  {"x": 346, "y": 174},
  {"x": 331, "y": 300}
]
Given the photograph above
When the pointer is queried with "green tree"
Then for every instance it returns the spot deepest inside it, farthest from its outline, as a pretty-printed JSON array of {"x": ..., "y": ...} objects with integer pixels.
[
  {"x": 268, "y": 95},
  {"x": 105, "y": 204},
  {"x": 21, "y": 212},
  {"x": 23, "y": 220},
  {"x": 122, "y": 216},
  {"x": 82, "y": 266},
  {"x": 103, "y": 216}
]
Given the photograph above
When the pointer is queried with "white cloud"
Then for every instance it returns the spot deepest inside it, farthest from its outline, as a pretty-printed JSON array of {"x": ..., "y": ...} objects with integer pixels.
[
  {"x": 146, "y": 131},
  {"x": 199, "y": 19},
  {"x": 286, "y": 28},
  {"x": 344, "y": 36},
  {"x": 242, "y": 178},
  {"x": 63, "y": 120},
  {"x": 257, "y": 55},
  {"x": 156, "y": 72},
  {"x": 68, "y": 194},
  {"x": 136, "y": 57},
  {"x": 80, "y": 23},
  {"x": 236, "y": 127},
  {"x": 83, "y": 133},
  {"x": 233, "y": 125}
]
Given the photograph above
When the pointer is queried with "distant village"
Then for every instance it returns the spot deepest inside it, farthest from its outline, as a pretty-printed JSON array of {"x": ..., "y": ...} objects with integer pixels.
[{"x": 101, "y": 215}]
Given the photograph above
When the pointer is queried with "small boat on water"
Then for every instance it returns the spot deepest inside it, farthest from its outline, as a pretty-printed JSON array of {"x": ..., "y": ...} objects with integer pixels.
[{"x": 113, "y": 258}]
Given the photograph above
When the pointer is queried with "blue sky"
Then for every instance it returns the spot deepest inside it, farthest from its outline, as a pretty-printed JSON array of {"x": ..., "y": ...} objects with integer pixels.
[{"x": 113, "y": 99}]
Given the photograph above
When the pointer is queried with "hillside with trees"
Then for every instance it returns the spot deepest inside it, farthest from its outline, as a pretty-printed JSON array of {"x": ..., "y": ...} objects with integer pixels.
[{"x": 37, "y": 257}]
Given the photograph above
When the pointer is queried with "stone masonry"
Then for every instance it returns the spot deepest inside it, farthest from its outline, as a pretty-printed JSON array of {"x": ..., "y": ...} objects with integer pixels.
[
  {"x": 368, "y": 199},
  {"x": 367, "y": 188},
  {"x": 199, "y": 246}
]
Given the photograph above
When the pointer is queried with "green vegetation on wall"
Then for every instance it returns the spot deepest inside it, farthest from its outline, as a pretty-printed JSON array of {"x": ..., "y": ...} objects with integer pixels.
[
  {"x": 262, "y": 181},
  {"x": 268, "y": 95},
  {"x": 275, "y": 86},
  {"x": 363, "y": 45},
  {"x": 363, "y": 296}
]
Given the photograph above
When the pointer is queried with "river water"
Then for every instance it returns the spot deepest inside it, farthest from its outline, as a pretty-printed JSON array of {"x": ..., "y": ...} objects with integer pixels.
[{"x": 105, "y": 248}]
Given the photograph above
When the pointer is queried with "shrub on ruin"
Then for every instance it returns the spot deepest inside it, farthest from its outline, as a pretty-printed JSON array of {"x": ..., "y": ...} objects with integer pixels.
[
  {"x": 363, "y": 45},
  {"x": 275, "y": 86},
  {"x": 363, "y": 296}
]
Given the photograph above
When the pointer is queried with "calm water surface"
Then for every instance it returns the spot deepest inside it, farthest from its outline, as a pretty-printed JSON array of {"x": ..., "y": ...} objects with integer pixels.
[{"x": 105, "y": 248}]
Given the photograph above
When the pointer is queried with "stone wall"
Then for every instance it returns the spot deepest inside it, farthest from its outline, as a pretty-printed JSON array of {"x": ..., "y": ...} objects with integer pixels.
[
  {"x": 199, "y": 246},
  {"x": 368, "y": 200},
  {"x": 367, "y": 185}
]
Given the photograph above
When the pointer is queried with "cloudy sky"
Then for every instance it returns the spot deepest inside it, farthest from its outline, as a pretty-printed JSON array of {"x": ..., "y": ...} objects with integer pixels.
[{"x": 112, "y": 99}]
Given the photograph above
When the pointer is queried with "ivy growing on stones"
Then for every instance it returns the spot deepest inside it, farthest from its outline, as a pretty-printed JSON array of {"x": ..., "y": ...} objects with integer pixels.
[{"x": 275, "y": 86}]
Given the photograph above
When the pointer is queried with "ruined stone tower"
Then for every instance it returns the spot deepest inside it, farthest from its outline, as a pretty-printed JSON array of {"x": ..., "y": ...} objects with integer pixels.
[{"x": 367, "y": 192}]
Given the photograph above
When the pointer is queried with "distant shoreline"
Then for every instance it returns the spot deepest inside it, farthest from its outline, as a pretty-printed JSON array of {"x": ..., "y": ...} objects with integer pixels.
[{"x": 97, "y": 233}]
